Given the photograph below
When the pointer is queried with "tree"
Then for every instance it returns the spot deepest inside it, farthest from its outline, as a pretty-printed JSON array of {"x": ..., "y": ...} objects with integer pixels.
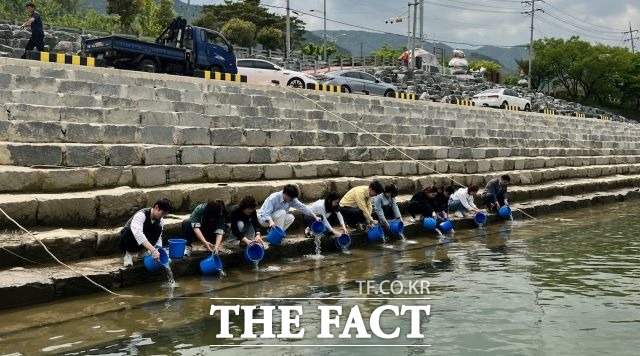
[
  {"x": 147, "y": 18},
  {"x": 165, "y": 13},
  {"x": 127, "y": 10},
  {"x": 490, "y": 67},
  {"x": 270, "y": 38},
  {"x": 240, "y": 32},
  {"x": 386, "y": 51},
  {"x": 510, "y": 80}
]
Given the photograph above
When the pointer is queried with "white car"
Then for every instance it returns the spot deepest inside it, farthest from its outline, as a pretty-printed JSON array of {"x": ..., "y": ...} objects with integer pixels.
[
  {"x": 259, "y": 71},
  {"x": 501, "y": 98}
]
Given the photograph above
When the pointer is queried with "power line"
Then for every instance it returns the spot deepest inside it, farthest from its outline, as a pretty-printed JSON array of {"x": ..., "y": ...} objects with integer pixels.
[
  {"x": 614, "y": 30},
  {"x": 511, "y": 10},
  {"x": 574, "y": 25},
  {"x": 573, "y": 31}
]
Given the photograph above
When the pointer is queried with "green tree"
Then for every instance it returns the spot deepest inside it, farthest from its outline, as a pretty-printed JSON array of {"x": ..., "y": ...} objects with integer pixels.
[
  {"x": 147, "y": 19},
  {"x": 127, "y": 10},
  {"x": 490, "y": 66},
  {"x": 386, "y": 51},
  {"x": 165, "y": 13},
  {"x": 511, "y": 80},
  {"x": 240, "y": 32},
  {"x": 270, "y": 38}
]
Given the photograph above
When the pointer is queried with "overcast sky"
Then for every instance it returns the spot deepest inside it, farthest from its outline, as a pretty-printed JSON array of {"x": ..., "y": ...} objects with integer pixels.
[{"x": 492, "y": 22}]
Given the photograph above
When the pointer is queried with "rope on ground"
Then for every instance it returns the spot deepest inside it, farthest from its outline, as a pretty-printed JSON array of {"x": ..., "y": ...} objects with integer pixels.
[{"x": 17, "y": 255}]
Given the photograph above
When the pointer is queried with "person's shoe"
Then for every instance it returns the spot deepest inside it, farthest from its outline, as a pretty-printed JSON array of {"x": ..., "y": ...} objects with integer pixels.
[
  {"x": 412, "y": 220},
  {"x": 187, "y": 251},
  {"x": 458, "y": 214},
  {"x": 307, "y": 232},
  {"x": 128, "y": 259}
]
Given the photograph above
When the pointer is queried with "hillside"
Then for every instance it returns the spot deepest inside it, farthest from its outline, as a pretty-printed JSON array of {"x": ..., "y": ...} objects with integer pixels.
[{"x": 181, "y": 8}]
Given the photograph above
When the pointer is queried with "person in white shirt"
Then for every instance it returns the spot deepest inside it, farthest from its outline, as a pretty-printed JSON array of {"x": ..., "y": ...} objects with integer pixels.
[
  {"x": 462, "y": 200},
  {"x": 144, "y": 230},
  {"x": 275, "y": 209},
  {"x": 329, "y": 210}
]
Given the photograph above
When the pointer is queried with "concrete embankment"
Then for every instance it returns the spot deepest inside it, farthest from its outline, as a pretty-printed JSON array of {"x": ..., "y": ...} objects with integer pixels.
[{"x": 81, "y": 149}]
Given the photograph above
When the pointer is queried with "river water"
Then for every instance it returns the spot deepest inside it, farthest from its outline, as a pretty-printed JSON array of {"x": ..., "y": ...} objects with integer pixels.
[{"x": 565, "y": 284}]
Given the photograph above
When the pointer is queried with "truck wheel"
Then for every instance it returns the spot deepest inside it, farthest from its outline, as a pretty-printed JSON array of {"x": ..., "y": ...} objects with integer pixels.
[
  {"x": 216, "y": 68},
  {"x": 295, "y": 83},
  {"x": 147, "y": 65}
]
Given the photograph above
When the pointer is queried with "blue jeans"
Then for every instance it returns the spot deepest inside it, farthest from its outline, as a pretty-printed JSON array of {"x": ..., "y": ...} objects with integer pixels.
[{"x": 456, "y": 205}]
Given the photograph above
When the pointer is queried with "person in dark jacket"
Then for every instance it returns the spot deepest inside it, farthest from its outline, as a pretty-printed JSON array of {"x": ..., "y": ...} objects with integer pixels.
[
  {"x": 495, "y": 193},
  {"x": 144, "y": 230},
  {"x": 430, "y": 202},
  {"x": 207, "y": 223},
  {"x": 243, "y": 221},
  {"x": 37, "y": 30}
]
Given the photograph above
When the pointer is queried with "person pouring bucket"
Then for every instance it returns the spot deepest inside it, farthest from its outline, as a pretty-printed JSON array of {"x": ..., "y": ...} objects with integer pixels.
[
  {"x": 243, "y": 222},
  {"x": 329, "y": 210},
  {"x": 144, "y": 231},
  {"x": 207, "y": 223},
  {"x": 495, "y": 193},
  {"x": 385, "y": 207}
]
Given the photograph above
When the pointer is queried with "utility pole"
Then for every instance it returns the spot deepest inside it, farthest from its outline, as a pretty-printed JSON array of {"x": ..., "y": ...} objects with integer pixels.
[
  {"x": 421, "y": 23},
  {"x": 324, "y": 40},
  {"x": 630, "y": 32},
  {"x": 413, "y": 35},
  {"x": 288, "y": 37},
  {"x": 409, "y": 29},
  {"x": 531, "y": 13}
]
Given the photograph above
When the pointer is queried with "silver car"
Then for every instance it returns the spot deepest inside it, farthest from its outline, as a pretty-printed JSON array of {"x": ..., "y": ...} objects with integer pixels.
[{"x": 355, "y": 81}]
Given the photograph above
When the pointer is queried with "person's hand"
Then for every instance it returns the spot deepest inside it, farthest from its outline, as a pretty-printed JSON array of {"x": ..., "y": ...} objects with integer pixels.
[
  {"x": 156, "y": 255},
  {"x": 216, "y": 249},
  {"x": 271, "y": 224},
  {"x": 506, "y": 202},
  {"x": 258, "y": 238},
  {"x": 318, "y": 218},
  {"x": 374, "y": 222},
  {"x": 336, "y": 233},
  {"x": 434, "y": 215},
  {"x": 209, "y": 246}
]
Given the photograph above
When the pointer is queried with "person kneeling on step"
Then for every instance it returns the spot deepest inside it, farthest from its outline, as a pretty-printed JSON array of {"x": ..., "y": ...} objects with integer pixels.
[
  {"x": 385, "y": 206},
  {"x": 144, "y": 230},
  {"x": 462, "y": 200},
  {"x": 207, "y": 223},
  {"x": 275, "y": 209},
  {"x": 495, "y": 193},
  {"x": 243, "y": 221},
  {"x": 355, "y": 206},
  {"x": 329, "y": 210}
]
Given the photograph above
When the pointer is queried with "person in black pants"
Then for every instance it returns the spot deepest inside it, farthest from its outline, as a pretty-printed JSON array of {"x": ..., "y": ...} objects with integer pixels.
[
  {"x": 144, "y": 231},
  {"x": 37, "y": 30}
]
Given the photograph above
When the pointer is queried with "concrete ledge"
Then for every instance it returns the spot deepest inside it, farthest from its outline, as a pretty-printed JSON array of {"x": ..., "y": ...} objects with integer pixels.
[{"x": 25, "y": 286}]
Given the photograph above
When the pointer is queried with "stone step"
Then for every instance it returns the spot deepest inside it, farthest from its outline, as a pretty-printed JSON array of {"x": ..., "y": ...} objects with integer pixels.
[
  {"x": 106, "y": 207},
  {"x": 19, "y": 131},
  {"x": 23, "y": 179},
  {"x": 41, "y": 283},
  {"x": 290, "y": 148}
]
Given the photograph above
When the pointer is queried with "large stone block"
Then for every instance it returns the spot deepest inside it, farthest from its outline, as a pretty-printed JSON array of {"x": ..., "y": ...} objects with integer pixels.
[
  {"x": 19, "y": 207},
  {"x": 232, "y": 155},
  {"x": 66, "y": 210},
  {"x": 153, "y": 104},
  {"x": 246, "y": 172},
  {"x": 77, "y": 132},
  {"x": 85, "y": 155},
  {"x": 278, "y": 171},
  {"x": 350, "y": 169},
  {"x": 151, "y": 176},
  {"x": 177, "y": 197},
  {"x": 227, "y": 137},
  {"x": 34, "y": 131},
  {"x": 304, "y": 170},
  {"x": 185, "y": 174},
  {"x": 30, "y": 113},
  {"x": 31, "y": 155},
  {"x": 289, "y": 154},
  {"x": 312, "y": 191},
  {"x": 280, "y": 138},
  {"x": 121, "y": 116},
  {"x": 263, "y": 155},
  {"x": 112, "y": 176},
  {"x": 358, "y": 154},
  {"x": 312, "y": 154},
  {"x": 160, "y": 155},
  {"x": 82, "y": 115},
  {"x": 158, "y": 118},
  {"x": 198, "y": 155},
  {"x": 119, "y": 205},
  {"x": 259, "y": 191},
  {"x": 409, "y": 168},
  {"x": 161, "y": 135},
  {"x": 78, "y": 100},
  {"x": 300, "y": 138},
  {"x": 372, "y": 169},
  {"x": 218, "y": 172},
  {"x": 68, "y": 179},
  {"x": 392, "y": 168},
  {"x": 210, "y": 192},
  {"x": 256, "y": 137}
]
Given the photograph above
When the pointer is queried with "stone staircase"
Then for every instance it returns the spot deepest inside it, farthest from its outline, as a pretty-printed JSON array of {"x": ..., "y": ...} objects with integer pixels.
[{"x": 81, "y": 149}]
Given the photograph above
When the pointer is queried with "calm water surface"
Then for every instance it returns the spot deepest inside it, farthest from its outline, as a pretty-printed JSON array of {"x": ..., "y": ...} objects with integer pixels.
[{"x": 565, "y": 284}]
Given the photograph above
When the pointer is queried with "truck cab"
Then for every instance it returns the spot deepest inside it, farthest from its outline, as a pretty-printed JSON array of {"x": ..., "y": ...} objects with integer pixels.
[{"x": 213, "y": 51}]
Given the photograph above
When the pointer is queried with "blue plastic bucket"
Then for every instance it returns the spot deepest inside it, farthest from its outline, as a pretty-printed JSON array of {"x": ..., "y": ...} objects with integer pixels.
[
  {"x": 375, "y": 233},
  {"x": 504, "y": 211},
  {"x": 429, "y": 223},
  {"x": 396, "y": 226},
  {"x": 152, "y": 265},
  {"x": 343, "y": 241},
  {"x": 275, "y": 235},
  {"x": 480, "y": 218},
  {"x": 317, "y": 227},
  {"x": 254, "y": 253},
  {"x": 211, "y": 265},
  {"x": 176, "y": 248},
  {"x": 446, "y": 226}
]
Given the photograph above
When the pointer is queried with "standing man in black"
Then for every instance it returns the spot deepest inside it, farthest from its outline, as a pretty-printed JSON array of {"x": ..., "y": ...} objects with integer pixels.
[{"x": 37, "y": 30}]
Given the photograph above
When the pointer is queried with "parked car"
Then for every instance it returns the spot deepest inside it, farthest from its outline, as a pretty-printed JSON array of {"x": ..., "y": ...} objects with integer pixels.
[
  {"x": 259, "y": 71},
  {"x": 500, "y": 98},
  {"x": 355, "y": 81}
]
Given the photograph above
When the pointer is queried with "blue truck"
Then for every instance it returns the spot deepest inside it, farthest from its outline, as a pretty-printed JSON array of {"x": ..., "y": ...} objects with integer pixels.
[{"x": 180, "y": 49}]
